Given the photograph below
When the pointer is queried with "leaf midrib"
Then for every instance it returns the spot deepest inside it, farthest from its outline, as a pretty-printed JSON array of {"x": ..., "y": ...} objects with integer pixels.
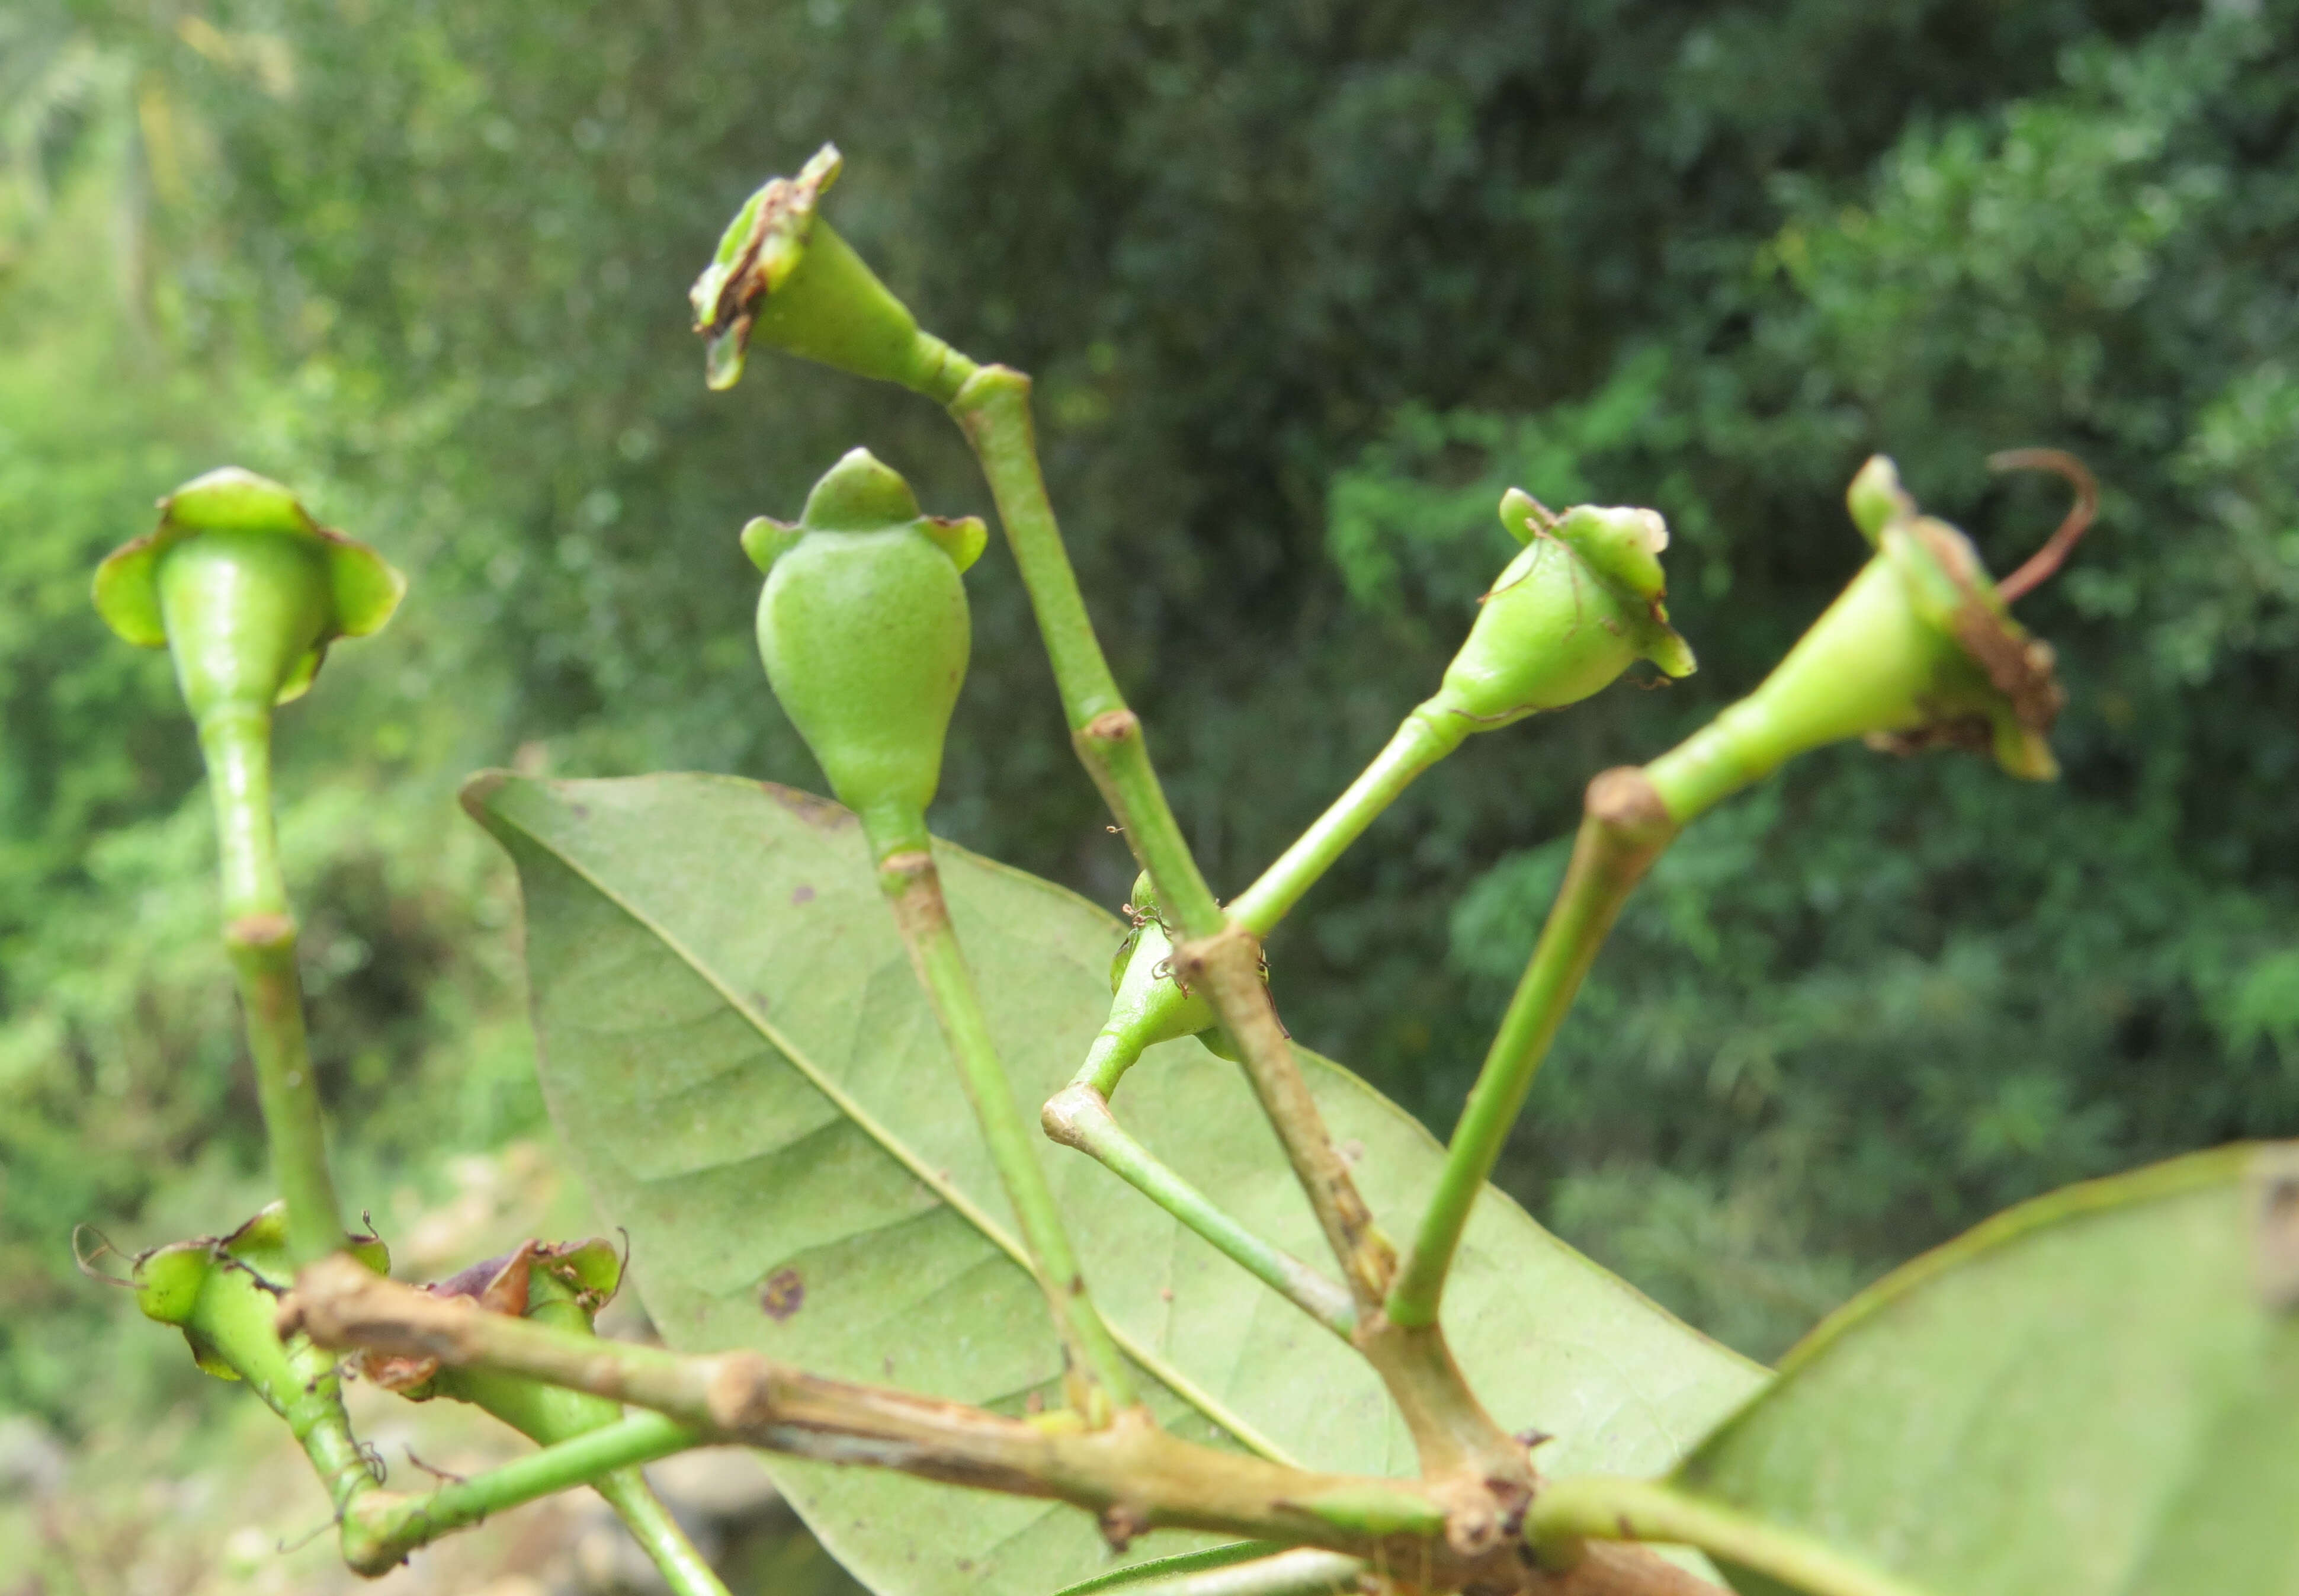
[{"x": 947, "y": 1191}]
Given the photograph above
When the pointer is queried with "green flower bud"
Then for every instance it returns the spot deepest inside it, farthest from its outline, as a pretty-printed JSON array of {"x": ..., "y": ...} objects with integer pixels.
[
  {"x": 1583, "y": 599},
  {"x": 246, "y": 588},
  {"x": 1918, "y": 651},
  {"x": 864, "y": 629},
  {"x": 784, "y": 278},
  {"x": 246, "y": 591}
]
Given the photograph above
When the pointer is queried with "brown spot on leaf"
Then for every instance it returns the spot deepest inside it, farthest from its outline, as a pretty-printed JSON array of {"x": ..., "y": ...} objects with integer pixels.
[
  {"x": 803, "y": 893},
  {"x": 783, "y": 1295}
]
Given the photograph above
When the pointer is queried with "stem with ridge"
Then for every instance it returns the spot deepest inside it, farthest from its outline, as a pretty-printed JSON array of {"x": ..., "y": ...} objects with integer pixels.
[
  {"x": 993, "y": 409},
  {"x": 1450, "y": 1429}
]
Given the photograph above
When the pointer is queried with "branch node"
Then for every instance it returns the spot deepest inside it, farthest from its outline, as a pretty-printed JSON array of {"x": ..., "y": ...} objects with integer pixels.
[
  {"x": 740, "y": 1394},
  {"x": 1110, "y": 728}
]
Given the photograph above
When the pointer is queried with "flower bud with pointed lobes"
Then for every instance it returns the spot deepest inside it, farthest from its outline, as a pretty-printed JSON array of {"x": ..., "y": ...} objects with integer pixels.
[
  {"x": 244, "y": 589},
  {"x": 864, "y": 631},
  {"x": 783, "y": 278},
  {"x": 1918, "y": 651},
  {"x": 1581, "y": 601}
]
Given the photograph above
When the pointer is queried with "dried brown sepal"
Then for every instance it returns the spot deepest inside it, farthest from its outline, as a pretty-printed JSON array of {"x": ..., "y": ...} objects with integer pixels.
[
  {"x": 505, "y": 1285},
  {"x": 2019, "y": 666}
]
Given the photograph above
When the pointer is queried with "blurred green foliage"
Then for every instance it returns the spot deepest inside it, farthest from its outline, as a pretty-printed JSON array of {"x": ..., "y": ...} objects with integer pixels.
[{"x": 1303, "y": 288}]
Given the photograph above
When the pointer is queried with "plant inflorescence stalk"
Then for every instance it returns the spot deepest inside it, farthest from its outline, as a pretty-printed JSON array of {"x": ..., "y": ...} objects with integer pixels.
[
  {"x": 259, "y": 937},
  {"x": 1624, "y": 829},
  {"x": 1222, "y": 956},
  {"x": 993, "y": 409},
  {"x": 1426, "y": 736},
  {"x": 1133, "y": 1477},
  {"x": 1568, "y": 1514},
  {"x": 1079, "y": 1116},
  {"x": 1098, "y": 1381}
]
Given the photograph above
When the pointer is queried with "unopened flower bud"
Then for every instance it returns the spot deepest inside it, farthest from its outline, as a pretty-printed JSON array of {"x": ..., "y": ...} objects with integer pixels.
[
  {"x": 783, "y": 278},
  {"x": 244, "y": 589},
  {"x": 864, "y": 629},
  {"x": 1583, "y": 599}
]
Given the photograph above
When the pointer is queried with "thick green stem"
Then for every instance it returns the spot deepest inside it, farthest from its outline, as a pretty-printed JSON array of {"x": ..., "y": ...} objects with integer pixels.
[
  {"x": 993, "y": 409},
  {"x": 1114, "y": 1051},
  {"x": 1426, "y": 736},
  {"x": 1079, "y": 1116},
  {"x": 1623, "y": 830},
  {"x": 259, "y": 935},
  {"x": 1098, "y": 1382},
  {"x": 1569, "y": 1513},
  {"x": 387, "y": 1526},
  {"x": 308, "y": 1394}
]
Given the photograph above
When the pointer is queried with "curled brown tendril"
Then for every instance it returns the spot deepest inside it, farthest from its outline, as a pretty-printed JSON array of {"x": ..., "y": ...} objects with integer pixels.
[{"x": 2045, "y": 562}]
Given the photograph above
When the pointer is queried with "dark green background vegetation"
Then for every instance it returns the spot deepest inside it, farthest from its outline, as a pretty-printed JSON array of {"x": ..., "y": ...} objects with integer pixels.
[{"x": 1304, "y": 285}]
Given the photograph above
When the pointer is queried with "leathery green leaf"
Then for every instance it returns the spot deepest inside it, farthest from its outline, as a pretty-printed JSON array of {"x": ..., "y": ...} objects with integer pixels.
[
  {"x": 749, "y": 1081},
  {"x": 2097, "y": 1391}
]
